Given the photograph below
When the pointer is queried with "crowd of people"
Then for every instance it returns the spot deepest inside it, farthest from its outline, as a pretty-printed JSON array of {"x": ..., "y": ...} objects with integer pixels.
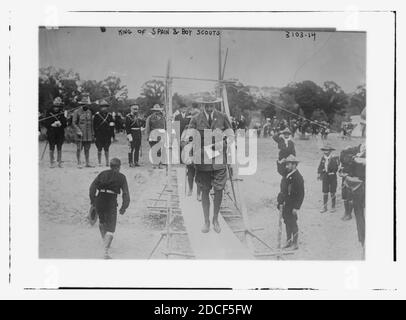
[{"x": 209, "y": 176}]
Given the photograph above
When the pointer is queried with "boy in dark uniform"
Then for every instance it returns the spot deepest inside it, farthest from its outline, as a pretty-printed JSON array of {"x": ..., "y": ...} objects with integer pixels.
[
  {"x": 211, "y": 175},
  {"x": 103, "y": 123},
  {"x": 291, "y": 199},
  {"x": 134, "y": 126},
  {"x": 55, "y": 124},
  {"x": 286, "y": 147},
  {"x": 103, "y": 194},
  {"x": 327, "y": 173}
]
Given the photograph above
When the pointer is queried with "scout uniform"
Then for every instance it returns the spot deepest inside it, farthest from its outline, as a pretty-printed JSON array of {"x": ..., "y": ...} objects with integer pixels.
[
  {"x": 156, "y": 121},
  {"x": 209, "y": 173},
  {"x": 327, "y": 173},
  {"x": 286, "y": 148},
  {"x": 291, "y": 199},
  {"x": 183, "y": 119},
  {"x": 103, "y": 123},
  {"x": 133, "y": 127},
  {"x": 103, "y": 194},
  {"x": 55, "y": 124},
  {"x": 82, "y": 122}
]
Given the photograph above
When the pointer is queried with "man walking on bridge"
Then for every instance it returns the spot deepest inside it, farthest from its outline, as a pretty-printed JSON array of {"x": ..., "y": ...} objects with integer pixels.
[{"x": 210, "y": 174}]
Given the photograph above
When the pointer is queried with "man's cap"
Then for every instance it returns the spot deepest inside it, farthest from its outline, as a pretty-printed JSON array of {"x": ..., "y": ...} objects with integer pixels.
[
  {"x": 291, "y": 158},
  {"x": 84, "y": 100},
  {"x": 286, "y": 130},
  {"x": 57, "y": 102},
  {"x": 103, "y": 103},
  {"x": 115, "y": 163},
  {"x": 208, "y": 100},
  {"x": 156, "y": 107},
  {"x": 327, "y": 147}
]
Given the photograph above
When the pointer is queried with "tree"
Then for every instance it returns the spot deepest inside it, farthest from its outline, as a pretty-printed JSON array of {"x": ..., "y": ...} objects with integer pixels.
[
  {"x": 117, "y": 93},
  {"x": 334, "y": 100},
  {"x": 56, "y": 82},
  {"x": 307, "y": 95},
  {"x": 240, "y": 101},
  {"x": 152, "y": 92},
  {"x": 358, "y": 100}
]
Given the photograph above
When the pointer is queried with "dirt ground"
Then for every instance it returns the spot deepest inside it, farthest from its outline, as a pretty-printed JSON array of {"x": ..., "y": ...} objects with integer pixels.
[{"x": 63, "y": 204}]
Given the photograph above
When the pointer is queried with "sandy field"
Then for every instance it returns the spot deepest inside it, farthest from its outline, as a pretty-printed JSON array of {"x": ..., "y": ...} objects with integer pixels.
[{"x": 63, "y": 205}]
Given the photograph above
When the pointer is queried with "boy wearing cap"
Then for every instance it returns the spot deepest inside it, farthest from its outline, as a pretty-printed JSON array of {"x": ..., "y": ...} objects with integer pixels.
[
  {"x": 327, "y": 173},
  {"x": 103, "y": 123},
  {"x": 82, "y": 122},
  {"x": 55, "y": 124},
  {"x": 286, "y": 147},
  {"x": 134, "y": 126},
  {"x": 291, "y": 198},
  {"x": 156, "y": 121}
]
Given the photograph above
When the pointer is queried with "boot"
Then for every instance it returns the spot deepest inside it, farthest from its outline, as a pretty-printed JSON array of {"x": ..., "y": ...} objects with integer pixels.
[
  {"x": 78, "y": 158},
  {"x": 51, "y": 159},
  {"x": 347, "y": 215},
  {"x": 218, "y": 197},
  {"x": 288, "y": 238},
  {"x": 295, "y": 241},
  {"x": 60, "y": 159},
  {"x": 107, "y": 156},
  {"x": 87, "y": 157},
  {"x": 102, "y": 231},
  {"x": 333, "y": 203},
  {"x": 206, "y": 212},
  {"x": 325, "y": 200},
  {"x": 99, "y": 158},
  {"x": 130, "y": 160},
  {"x": 108, "y": 239}
]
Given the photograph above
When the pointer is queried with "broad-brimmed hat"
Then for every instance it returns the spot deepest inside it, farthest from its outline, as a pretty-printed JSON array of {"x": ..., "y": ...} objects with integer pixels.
[
  {"x": 156, "y": 107},
  {"x": 327, "y": 147},
  {"x": 208, "y": 100},
  {"x": 286, "y": 130},
  {"x": 57, "y": 102},
  {"x": 135, "y": 106},
  {"x": 84, "y": 101},
  {"x": 103, "y": 103},
  {"x": 291, "y": 159}
]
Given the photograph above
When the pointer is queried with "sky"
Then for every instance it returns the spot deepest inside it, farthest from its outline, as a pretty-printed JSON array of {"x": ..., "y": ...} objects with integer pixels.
[{"x": 255, "y": 57}]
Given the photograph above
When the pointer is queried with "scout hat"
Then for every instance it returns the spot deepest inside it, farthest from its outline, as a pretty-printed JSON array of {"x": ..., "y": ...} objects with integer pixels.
[
  {"x": 327, "y": 147},
  {"x": 84, "y": 101},
  {"x": 286, "y": 130},
  {"x": 103, "y": 103},
  {"x": 156, "y": 107},
  {"x": 208, "y": 100},
  {"x": 57, "y": 102},
  {"x": 291, "y": 158}
]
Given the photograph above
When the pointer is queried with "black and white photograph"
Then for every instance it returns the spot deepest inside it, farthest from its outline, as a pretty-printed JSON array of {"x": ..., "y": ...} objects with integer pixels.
[
  {"x": 202, "y": 157},
  {"x": 113, "y": 183}
]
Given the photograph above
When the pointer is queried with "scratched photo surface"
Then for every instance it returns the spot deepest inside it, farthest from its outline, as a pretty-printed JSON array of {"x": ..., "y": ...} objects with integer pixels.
[{"x": 295, "y": 98}]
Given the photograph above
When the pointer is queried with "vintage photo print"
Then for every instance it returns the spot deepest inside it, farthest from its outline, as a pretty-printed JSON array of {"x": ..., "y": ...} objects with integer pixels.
[{"x": 202, "y": 143}]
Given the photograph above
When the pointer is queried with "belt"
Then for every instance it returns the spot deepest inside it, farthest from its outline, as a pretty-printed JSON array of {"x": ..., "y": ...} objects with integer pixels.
[
  {"x": 135, "y": 128},
  {"x": 107, "y": 191}
]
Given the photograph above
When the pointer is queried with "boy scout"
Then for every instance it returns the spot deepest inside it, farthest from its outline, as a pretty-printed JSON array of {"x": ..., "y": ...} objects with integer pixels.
[
  {"x": 82, "y": 122},
  {"x": 209, "y": 173},
  {"x": 103, "y": 123},
  {"x": 103, "y": 196},
  {"x": 55, "y": 123},
  {"x": 291, "y": 199},
  {"x": 327, "y": 173},
  {"x": 134, "y": 126},
  {"x": 156, "y": 121}
]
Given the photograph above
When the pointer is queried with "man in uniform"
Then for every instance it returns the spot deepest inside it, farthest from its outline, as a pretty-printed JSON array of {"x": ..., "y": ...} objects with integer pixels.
[
  {"x": 327, "y": 173},
  {"x": 55, "y": 124},
  {"x": 290, "y": 200},
  {"x": 210, "y": 174},
  {"x": 103, "y": 124},
  {"x": 103, "y": 194},
  {"x": 156, "y": 121},
  {"x": 182, "y": 117},
  {"x": 134, "y": 126},
  {"x": 82, "y": 122}
]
